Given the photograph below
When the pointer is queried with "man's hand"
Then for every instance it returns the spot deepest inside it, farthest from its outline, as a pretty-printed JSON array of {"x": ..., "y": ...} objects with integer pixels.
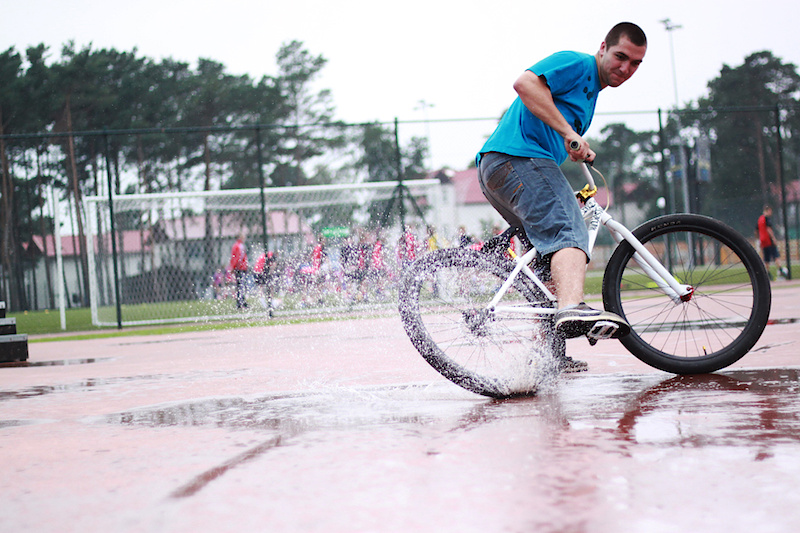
[{"x": 578, "y": 149}]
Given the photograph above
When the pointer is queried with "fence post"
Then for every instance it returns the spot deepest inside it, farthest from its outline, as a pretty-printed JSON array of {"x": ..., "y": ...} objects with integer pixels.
[
  {"x": 783, "y": 192},
  {"x": 114, "y": 258},
  {"x": 261, "y": 185},
  {"x": 264, "y": 231}
]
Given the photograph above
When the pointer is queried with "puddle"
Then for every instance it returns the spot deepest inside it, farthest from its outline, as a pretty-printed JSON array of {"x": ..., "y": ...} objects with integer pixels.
[
  {"x": 95, "y": 383},
  {"x": 291, "y": 414},
  {"x": 64, "y": 362},
  {"x": 736, "y": 408},
  {"x": 756, "y": 412},
  {"x": 17, "y": 423},
  {"x": 732, "y": 408}
]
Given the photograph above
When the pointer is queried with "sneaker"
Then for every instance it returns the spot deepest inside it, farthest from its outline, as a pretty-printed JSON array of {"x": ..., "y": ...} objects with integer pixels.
[
  {"x": 579, "y": 320},
  {"x": 568, "y": 365}
]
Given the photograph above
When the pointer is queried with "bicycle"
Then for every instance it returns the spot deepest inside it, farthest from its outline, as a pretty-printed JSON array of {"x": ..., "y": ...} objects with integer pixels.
[{"x": 696, "y": 295}]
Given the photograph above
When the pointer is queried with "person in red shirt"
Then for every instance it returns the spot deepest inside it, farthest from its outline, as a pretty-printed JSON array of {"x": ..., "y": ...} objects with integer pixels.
[
  {"x": 407, "y": 248},
  {"x": 238, "y": 266},
  {"x": 378, "y": 265},
  {"x": 768, "y": 242}
]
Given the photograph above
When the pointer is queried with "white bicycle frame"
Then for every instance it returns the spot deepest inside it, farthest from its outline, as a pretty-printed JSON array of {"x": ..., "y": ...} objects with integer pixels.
[{"x": 594, "y": 215}]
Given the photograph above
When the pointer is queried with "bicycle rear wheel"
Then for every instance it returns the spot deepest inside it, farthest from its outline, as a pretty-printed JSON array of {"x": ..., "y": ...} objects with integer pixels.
[
  {"x": 444, "y": 299},
  {"x": 725, "y": 315}
]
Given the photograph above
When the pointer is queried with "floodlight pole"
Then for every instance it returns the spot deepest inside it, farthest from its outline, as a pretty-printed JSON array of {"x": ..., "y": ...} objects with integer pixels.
[{"x": 670, "y": 27}]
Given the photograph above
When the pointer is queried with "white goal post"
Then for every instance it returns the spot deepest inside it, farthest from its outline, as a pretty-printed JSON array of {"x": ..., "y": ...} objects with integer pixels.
[{"x": 172, "y": 249}]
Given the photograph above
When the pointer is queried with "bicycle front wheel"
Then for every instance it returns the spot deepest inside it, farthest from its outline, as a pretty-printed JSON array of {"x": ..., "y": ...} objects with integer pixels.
[
  {"x": 726, "y": 313},
  {"x": 489, "y": 350}
]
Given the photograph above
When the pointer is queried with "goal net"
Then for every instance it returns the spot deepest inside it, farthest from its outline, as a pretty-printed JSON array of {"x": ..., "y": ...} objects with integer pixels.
[{"x": 310, "y": 249}]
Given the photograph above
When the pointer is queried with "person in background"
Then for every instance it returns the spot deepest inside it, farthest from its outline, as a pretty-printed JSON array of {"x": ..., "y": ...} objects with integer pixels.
[
  {"x": 407, "y": 248},
  {"x": 768, "y": 242},
  {"x": 434, "y": 242},
  {"x": 263, "y": 274},
  {"x": 238, "y": 267},
  {"x": 377, "y": 270}
]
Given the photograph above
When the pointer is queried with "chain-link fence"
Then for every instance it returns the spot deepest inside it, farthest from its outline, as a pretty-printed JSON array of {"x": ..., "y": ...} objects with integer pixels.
[
  {"x": 315, "y": 249},
  {"x": 181, "y": 195}
]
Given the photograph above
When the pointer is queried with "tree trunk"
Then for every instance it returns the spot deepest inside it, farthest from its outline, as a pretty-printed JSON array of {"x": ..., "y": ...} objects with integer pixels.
[
  {"x": 10, "y": 291},
  {"x": 77, "y": 197},
  {"x": 43, "y": 231},
  {"x": 6, "y": 238}
]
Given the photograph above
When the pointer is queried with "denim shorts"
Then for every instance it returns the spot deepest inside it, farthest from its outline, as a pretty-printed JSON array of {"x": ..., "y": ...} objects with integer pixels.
[{"x": 535, "y": 195}]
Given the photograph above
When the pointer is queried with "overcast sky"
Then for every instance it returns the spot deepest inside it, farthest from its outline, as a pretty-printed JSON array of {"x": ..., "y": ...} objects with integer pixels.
[{"x": 461, "y": 57}]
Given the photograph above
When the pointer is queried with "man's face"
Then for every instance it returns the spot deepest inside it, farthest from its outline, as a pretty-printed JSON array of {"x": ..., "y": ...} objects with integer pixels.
[{"x": 619, "y": 62}]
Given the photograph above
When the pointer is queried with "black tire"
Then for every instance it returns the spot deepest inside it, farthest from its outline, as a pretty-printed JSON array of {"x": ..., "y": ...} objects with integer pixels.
[
  {"x": 725, "y": 315},
  {"x": 442, "y": 303}
]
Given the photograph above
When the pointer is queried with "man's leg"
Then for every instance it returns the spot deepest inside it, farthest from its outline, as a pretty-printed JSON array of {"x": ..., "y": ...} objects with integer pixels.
[
  {"x": 568, "y": 268},
  {"x": 241, "y": 302},
  {"x": 536, "y": 193}
]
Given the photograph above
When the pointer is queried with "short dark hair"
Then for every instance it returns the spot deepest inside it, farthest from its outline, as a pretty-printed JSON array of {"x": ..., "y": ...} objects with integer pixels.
[{"x": 629, "y": 30}]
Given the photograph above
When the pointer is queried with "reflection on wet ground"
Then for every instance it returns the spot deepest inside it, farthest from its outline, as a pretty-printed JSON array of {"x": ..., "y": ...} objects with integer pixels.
[
  {"x": 63, "y": 362},
  {"x": 290, "y": 413},
  {"x": 754, "y": 409},
  {"x": 590, "y": 452},
  {"x": 98, "y": 383},
  {"x": 750, "y": 404}
]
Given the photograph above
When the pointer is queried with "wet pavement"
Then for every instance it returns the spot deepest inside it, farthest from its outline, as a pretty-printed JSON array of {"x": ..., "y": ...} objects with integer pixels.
[{"x": 341, "y": 426}]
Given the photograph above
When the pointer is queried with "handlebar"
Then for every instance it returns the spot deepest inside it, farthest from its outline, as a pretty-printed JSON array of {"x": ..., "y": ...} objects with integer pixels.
[
  {"x": 575, "y": 145},
  {"x": 587, "y": 174}
]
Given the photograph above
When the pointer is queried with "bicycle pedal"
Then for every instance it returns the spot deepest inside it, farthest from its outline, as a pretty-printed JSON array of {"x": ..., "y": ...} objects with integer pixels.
[{"x": 602, "y": 329}]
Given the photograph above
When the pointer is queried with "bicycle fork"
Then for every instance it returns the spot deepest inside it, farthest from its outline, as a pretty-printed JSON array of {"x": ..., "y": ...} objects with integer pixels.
[{"x": 678, "y": 292}]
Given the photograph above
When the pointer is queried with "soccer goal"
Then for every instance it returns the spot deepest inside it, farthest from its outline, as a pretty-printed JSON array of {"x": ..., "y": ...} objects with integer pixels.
[{"x": 310, "y": 249}]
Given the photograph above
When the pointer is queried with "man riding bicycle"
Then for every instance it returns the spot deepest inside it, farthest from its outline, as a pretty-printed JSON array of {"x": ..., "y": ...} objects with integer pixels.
[{"x": 518, "y": 166}]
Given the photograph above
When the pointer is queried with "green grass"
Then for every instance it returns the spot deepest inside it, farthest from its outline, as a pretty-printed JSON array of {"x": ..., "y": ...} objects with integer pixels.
[
  {"x": 79, "y": 324},
  {"x": 79, "y": 321},
  {"x": 49, "y": 321}
]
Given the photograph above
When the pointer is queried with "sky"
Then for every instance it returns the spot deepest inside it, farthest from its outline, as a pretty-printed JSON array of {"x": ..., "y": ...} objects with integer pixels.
[{"x": 426, "y": 63}]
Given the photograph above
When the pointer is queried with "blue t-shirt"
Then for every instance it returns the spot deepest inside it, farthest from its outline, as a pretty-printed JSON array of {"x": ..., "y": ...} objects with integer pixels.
[{"x": 574, "y": 84}]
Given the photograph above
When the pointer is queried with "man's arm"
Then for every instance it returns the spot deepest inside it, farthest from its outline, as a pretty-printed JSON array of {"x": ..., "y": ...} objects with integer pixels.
[
  {"x": 535, "y": 94},
  {"x": 771, "y": 234}
]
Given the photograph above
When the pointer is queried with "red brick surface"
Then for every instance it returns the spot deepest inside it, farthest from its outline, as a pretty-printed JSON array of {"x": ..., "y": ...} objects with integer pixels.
[{"x": 341, "y": 426}]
